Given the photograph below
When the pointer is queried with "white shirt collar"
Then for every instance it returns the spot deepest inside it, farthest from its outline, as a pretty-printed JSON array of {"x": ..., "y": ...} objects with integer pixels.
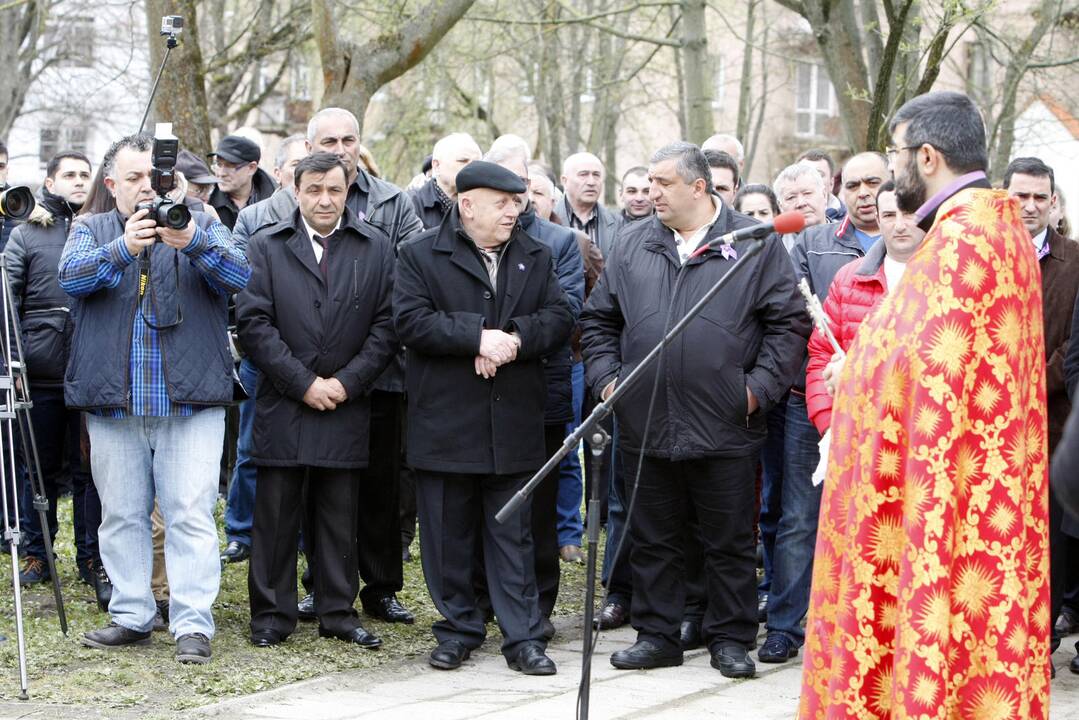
[
  {"x": 1039, "y": 239},
  {"x": 686, "y": 246},
  {"x": 311, "y": 236}
]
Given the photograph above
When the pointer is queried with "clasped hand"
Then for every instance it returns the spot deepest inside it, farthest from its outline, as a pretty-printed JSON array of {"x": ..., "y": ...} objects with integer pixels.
[
  {"x": 831, "y": 371},
  {"x": 325, "y": 394},
  {"x": 496, "y": 349}
]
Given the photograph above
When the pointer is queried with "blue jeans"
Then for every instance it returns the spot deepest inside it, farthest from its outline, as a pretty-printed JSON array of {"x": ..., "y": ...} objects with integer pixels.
[
  {"x": 570, "y": 484},
  {"x": 240, "y": 505},
  {"x": 796, "y": 537},
  {"x": 772, "y": 488},
  {"x": 177, "y": 460}
]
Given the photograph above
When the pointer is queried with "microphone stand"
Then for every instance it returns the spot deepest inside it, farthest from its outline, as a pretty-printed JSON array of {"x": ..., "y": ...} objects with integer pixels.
[{"x": 598, "y": 439}]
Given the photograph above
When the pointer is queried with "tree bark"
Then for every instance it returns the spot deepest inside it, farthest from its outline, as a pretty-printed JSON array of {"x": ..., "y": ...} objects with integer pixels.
[
  {"x": 745, "y": 84},
  {"x": 353, "y": 73},
  {"x": 181, "y": 95},
  {"x": 696, "y": 69},
  {"x": 21, "y": 30}
]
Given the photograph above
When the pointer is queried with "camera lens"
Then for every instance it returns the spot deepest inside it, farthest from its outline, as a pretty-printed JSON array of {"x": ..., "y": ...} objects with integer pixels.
[
  {"x": 176, "y": 216},
  {"x": 17, "y": 203}
]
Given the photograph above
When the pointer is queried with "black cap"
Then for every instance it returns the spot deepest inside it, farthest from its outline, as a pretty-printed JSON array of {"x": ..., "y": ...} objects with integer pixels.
[
  {"x": 236, "y": 149},
  {"x": 194, "y": 169},
  {"x": 483, "y": 174}
]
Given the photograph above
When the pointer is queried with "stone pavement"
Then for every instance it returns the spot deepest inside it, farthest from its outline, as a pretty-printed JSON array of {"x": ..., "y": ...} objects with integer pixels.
[{"x": 485, "y": 688}]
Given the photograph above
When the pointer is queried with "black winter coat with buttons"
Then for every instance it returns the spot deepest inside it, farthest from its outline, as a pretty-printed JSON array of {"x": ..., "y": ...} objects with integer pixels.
[
  {"x": 296, "y": 325},
  {"x": 458, "y": 421}
]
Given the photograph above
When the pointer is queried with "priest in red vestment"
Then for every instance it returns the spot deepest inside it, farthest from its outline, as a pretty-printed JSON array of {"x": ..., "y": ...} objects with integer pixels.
[{"x": 930, "y": 593}]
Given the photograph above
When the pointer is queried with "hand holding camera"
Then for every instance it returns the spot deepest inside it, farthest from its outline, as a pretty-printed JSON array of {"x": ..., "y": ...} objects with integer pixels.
[{"x": 140, "y": 232}]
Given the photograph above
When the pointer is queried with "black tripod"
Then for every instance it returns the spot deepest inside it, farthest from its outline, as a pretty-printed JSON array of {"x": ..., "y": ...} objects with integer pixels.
[
  {"x": 598, "y": 438},
  {"x": 15, "y": 422}
]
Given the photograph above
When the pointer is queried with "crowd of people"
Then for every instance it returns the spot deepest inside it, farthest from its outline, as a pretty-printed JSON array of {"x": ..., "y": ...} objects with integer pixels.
[{"x": 404, "y": 357}]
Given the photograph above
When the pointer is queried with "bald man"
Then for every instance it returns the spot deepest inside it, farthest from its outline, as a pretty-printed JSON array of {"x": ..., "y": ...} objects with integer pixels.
[
  {"x": 582, "y": 178},
  {"x": 728, "y": 144},
  {"x": 434, "y": 198}
]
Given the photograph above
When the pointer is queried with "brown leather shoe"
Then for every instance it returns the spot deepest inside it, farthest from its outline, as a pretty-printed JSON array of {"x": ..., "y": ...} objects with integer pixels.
[{"x": 613, "y": 615}]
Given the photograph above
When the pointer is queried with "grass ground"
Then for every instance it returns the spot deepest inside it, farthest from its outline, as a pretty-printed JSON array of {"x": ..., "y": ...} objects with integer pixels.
[{"x": 148, "y": 682}]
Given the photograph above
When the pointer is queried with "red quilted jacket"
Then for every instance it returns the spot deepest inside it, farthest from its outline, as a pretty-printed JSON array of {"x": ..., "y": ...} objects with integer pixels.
[{"x": 858, "y": 287}]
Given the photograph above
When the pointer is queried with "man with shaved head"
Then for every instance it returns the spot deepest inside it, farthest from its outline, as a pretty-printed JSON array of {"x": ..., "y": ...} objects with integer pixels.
[
  {"x": 582, "y": 178},
  {"x": 386, "y": 208},
  {"x": 478, "y": 305},
  {"x": 728, "y": 144},
  {"x": 434, "y": 198}
]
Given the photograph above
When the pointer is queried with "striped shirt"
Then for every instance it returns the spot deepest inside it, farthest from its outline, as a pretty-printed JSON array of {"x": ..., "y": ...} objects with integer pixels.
[{"x": 88, "y": 267}]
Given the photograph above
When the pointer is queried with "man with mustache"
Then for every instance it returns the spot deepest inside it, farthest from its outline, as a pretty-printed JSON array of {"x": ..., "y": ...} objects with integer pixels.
[{"x": 930, "y": 578}]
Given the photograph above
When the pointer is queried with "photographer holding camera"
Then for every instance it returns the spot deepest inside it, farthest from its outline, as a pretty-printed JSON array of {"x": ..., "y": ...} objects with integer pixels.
[{"x": 150, "y": 363}]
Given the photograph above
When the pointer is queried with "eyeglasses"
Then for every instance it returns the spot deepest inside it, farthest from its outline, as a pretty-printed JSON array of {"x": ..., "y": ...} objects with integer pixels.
[
  {"x": 892, "y": 151},
  {"x": 225, "y": 166}
]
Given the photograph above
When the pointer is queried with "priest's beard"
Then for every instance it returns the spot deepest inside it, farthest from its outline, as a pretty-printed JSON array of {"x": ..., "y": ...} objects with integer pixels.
[{"x": 910, "y": 190}]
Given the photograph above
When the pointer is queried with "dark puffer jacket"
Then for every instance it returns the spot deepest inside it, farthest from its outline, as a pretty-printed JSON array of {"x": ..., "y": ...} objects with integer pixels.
[{"x": 33, "y": 255}]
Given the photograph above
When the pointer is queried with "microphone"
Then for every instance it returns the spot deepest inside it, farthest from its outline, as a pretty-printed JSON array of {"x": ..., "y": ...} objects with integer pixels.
[{"x": 788, "y": 222}]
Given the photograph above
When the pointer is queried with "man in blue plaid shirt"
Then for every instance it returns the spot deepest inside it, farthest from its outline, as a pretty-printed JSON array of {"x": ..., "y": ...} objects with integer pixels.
[{"x": 151, "y": 365}]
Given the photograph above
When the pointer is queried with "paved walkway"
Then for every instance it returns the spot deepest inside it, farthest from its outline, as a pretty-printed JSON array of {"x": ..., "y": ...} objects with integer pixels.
[{"x": 485, "y": 688}]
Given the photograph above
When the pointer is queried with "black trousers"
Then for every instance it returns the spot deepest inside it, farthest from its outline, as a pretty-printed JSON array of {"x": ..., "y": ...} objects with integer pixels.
[
  {"x": 378, "y": 527},
  {"x": 457, "y": 512},
  {"x": 721, "y": 492},
  {"x": 331, "y": 556}
]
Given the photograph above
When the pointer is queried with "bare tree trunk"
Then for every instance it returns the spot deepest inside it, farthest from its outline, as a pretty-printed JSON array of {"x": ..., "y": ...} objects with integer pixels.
[
  {"x": 181, "y": 96},
  {"x": 1002, "y": 135},
  {"x": 21, "y": 27},
  {"x": 697, "y": 68},
  {"x": 679, "y": 79},
  {"x": 751, "y": 146},
  {"x": 745, "y": 85},
  {"x": 353, "y": 73}
]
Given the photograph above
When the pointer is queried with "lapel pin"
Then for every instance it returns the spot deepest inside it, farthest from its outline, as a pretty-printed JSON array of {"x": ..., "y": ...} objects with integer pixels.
[{"x": 521, "y": 266}]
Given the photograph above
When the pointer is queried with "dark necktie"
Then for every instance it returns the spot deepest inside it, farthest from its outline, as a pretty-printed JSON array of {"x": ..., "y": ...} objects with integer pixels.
[{"x": 324, "y": 242}]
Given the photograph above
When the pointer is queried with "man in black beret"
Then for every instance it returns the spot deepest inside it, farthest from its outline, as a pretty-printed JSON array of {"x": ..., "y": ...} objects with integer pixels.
[
  {"x": 477, "y": 304},
  {"x": 241, "y": 182}
]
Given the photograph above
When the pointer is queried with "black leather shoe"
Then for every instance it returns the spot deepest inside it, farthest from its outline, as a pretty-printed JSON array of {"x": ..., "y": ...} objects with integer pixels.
[
  {"x": 161, "y": 615},
  {"x": 762, "y": 607},
  {"x": 266, "y": 638},
  {"x": 645, "y": 654},
  {"x": 235, "y": 552},
  {"x": 1067, "y": 623},
  {"x": 690, "y": 635},
  {"x": 777, "y": 649},
  {"x": 448, "y": 655},
  {"x": 357, "y": 636},
  {"x": 193, "y": 649},
  {"x": 531, "y": 660},
  {"x": 613, "y": 615},
  {"x": 389, "y": 609},
  {"x": 1074, "y": 665},
  {"x": 114, "y": 636},
  {"x": 733, "y": 661},
  {"x": 305, "y": 609}
]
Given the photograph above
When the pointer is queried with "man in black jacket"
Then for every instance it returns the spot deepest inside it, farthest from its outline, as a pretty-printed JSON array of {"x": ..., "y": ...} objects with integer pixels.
[
  {"x": 386, "y": 207},
  {"x": 44, "y": 310},
  {"x": 315, "y": 319},
  {"x": 477, "y": 304},
  {"x": 720, "y": 377}
]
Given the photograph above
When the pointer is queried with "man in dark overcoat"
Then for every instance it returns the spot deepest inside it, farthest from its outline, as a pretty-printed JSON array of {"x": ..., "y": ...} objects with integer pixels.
[
  {"x": 477, "y": 304},
  {"x": 316, "y": 322}
]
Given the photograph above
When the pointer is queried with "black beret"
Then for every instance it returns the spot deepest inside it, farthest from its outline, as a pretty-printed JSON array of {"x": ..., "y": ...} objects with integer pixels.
[{"x": 482, "y": 174}]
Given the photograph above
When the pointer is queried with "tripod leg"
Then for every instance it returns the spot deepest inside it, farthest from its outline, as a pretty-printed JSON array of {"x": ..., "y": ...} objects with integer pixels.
[
  {"x": 9, "y": 486},
  {"x": 19, "y": 633},
  {"x": 41, "y": 504}
]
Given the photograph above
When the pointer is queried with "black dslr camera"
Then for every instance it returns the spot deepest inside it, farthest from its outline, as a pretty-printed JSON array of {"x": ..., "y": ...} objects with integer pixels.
[
  {"x": 16, "y": 203},
  {"x": 164, "y": 211}
]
